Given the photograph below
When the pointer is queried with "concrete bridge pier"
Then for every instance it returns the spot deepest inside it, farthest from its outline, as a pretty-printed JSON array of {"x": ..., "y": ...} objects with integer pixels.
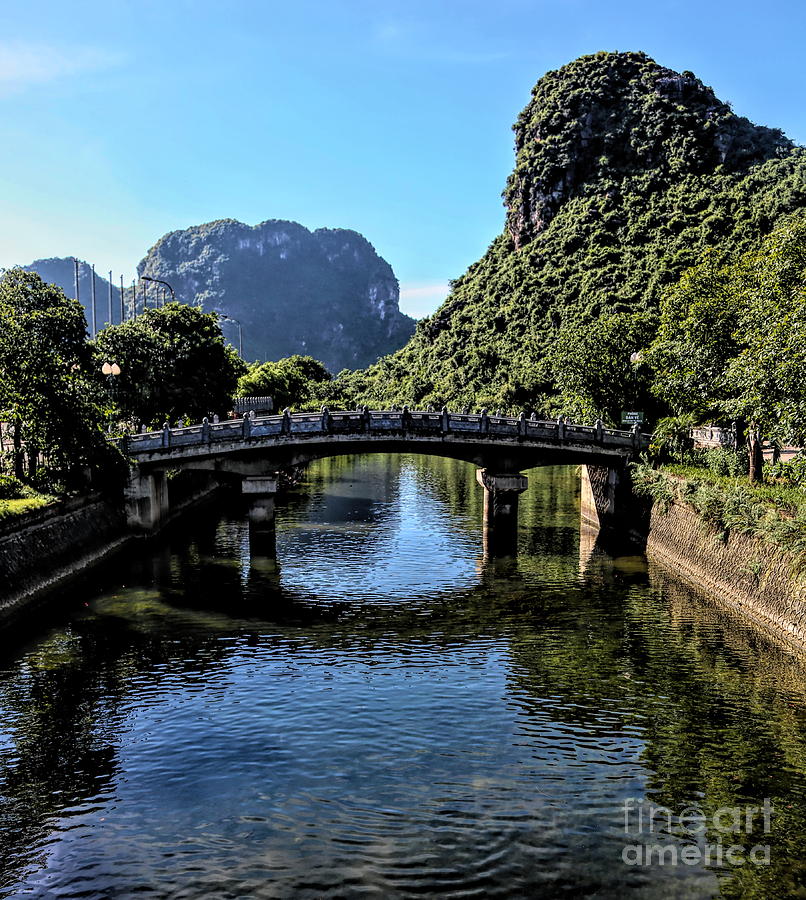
[
  {"x": 146, "y": 497},
  {"x": 501, "y": 492},
  {"x": 260, "y": 492},
  {"x": 602, "y": 489}
]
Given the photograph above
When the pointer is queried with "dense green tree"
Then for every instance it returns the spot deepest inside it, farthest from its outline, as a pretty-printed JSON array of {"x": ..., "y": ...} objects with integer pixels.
[
  {"x": 46, "y": 389},
  {"x": 174, "y": 364},
  {"x": 732, "y": 337},
  {"x": 599, "y": 369},
  {"x": 294, "y": 381},
  {"x": 626, "y": 173},
  {"x": 699, "y": 320}
]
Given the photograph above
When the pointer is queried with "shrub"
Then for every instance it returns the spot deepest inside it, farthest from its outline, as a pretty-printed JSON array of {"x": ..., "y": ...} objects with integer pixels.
[
  {"x": 13, "y": 489},
  {"x": 727, "y": 463}
]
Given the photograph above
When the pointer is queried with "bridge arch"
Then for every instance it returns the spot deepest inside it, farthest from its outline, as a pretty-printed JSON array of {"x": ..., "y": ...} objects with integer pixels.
[{"x": 255, "y": 448}]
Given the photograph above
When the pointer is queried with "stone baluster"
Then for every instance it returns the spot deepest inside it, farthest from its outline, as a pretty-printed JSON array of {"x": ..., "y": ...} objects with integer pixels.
[
  {"x": 445, "y": 421},
  {"x": 560, "y": 428},
  {"x": 599, "y": 431},
  {"x": 325, "y": 421},
  {"x": 205, "y": 430},
  {"x": 166, "y": 434},
  {"x": 405, "y": 418},
  {"x": 247, "y": 427},
  {"x": 522, "y": 424},
  {"x": 366, "y": 418},
  {"x": 484, "y": 422}
]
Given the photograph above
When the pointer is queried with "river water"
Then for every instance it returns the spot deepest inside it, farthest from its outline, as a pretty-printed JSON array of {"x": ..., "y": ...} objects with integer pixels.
[{"x": 379, "y": 712}]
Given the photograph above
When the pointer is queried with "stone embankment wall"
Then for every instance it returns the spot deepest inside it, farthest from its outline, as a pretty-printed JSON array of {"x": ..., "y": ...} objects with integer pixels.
[
  {"x": 747, "y": 574},
  {"x": 48, "y": 546}
]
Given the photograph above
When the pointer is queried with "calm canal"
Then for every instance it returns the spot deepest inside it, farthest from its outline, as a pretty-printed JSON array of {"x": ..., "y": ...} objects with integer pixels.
[{"x": 379, "y": 712}]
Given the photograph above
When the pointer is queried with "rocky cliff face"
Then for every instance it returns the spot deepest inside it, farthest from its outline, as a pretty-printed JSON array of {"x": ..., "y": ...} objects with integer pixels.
[
  {"x": 626, "y": 172},
  {"x": 605, "y": 116},
  {"x": 324, "y": 293}
]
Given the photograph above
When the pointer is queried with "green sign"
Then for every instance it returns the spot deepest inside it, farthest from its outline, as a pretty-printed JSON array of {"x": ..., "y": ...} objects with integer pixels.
[{"x": 630, "y": 417}]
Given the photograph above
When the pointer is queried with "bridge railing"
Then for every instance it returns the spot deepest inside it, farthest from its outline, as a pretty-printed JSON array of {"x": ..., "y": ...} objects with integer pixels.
[{"x": 416, "y": 422}]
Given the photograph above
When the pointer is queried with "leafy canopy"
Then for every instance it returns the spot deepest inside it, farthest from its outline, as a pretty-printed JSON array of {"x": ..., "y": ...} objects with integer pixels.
[
  {"x": 174, "y": 364},
  {"x": 293, "y": 381},
  {"x": 732, "y": 337},
  {"x": 46, "y": 387}
]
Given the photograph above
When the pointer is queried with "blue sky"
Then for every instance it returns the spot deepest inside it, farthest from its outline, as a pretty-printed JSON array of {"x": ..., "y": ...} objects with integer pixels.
[{"x": 124, "y": 120}]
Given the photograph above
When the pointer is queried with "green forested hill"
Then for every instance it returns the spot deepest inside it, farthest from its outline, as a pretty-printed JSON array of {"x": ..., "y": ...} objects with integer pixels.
[{"x": 625, "y": 173}]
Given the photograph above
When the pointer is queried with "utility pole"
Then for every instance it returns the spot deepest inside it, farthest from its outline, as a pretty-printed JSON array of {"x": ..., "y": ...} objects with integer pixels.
[
  {"x": 75, "y": 263},
  {"x": 94, "y": 319},
  {"x": 134, "y": 299},
  {"x": 122, "y": 307},
  {"x": 110, "y": 298},
  {"x": 226, "y": 318}
]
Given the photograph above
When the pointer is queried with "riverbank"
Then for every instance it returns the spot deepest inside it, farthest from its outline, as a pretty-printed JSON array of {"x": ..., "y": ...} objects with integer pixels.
[
  {"x": 731, "y": 547},
  {"x": 46, "y": 548}
]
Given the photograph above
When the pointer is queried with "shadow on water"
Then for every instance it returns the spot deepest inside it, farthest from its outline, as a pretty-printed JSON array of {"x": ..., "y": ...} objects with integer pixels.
[{"x": 377, "y": 708}]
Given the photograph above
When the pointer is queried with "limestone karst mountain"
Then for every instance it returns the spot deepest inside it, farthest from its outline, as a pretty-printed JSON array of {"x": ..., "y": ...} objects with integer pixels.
[
  {"x": 61, "y": 271},
  {"x": 626, "y": 172},
  {"x": 323, "y": 293}
]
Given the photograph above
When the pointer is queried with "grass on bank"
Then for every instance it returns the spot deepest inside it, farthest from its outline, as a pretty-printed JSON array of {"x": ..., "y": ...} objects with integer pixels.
[
  {"x": 20, "y": 506},
  {"x": 790, "y": 499},
  {"x": 17, "y": 498},
  {"x": 772, "y": 512}
]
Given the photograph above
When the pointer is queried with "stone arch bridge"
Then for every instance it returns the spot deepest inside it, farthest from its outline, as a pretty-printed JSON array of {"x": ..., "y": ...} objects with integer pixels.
[{"x": 254, "y": 449}]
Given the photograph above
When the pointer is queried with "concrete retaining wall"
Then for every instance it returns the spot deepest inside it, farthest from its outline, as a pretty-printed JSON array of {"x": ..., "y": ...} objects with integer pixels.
[
  {"x": 49, "y": 546},
  {"x": 747, "y": 574}
]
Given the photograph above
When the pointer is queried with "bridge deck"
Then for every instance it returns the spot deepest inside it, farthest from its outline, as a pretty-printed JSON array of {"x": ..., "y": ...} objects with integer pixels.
[{"x": 299, "y": 427}]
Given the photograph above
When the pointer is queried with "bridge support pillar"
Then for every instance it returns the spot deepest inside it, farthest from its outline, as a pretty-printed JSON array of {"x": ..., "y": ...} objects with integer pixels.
[
  {"x": 146, "y": 497},
  {"x": 260, "y": 492},
  {"x": 501, "y": 494},
  {"x": 601, "y": 487}
]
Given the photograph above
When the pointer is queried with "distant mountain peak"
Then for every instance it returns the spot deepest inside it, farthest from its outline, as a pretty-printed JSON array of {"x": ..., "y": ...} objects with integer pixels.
[
  {"x": 324, "y": 293},
  {"x": 605, "y": 116}
]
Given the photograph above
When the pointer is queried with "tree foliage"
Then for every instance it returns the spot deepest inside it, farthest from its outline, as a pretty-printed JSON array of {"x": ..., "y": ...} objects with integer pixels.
[
  {"x": 732, "y": 337},
  {"x": 46, "y": 388},
  {"x": 599, "y": 368},
  {"x": 174, "y": 364},
  {"x": 295, "y": 381}
]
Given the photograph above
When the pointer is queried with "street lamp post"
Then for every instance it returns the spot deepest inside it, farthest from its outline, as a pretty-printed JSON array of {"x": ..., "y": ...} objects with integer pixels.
[
  {"x": 225, "y": 318},
  {"x": 111, "y": 370},
  {"x": 160, "y": 281}
]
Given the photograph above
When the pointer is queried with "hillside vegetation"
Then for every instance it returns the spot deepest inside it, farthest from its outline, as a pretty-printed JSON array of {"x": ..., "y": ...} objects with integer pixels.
[{"x": 626, "y": 173}]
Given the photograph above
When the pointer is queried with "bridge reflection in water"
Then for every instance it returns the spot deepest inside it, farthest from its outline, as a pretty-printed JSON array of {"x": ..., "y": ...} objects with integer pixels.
[
  {"x": 254, "y": 449},
  {"x": 385, "y": 713}
]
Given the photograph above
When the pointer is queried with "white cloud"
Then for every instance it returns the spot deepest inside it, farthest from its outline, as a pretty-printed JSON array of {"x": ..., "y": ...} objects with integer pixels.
[
  {"x": 24, "y": 64},
  {"x": 420, "y": 299}
]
